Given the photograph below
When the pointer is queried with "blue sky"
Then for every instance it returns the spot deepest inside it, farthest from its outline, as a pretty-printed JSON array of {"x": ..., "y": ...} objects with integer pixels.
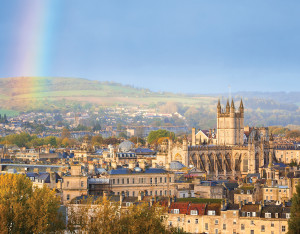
[{"x": 189, "y": 46}]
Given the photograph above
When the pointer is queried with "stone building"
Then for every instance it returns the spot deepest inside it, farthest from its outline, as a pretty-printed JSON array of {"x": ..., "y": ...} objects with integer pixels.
[{"x": 234, "y": 155}]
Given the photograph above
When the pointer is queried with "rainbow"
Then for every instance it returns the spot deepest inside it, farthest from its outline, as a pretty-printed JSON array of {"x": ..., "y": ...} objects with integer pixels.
[{"x": 38, "y": 20}]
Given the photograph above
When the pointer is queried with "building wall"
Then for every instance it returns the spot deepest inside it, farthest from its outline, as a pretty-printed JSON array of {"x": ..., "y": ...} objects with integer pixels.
[{"x": 132, "y": 184}]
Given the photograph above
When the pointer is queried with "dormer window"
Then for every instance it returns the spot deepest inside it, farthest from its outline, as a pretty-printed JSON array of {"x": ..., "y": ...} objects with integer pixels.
[
  {"x": 248, "y": 191},
  {"x": 175, "y": 211},
  {"x": 248, "y": 214},
  {"x": 267, "y": 215},
  {"x": 211, "y": 212},
  {"x": 288, "y": 215},
  {"x": 242, "y": 191},
  {"x": 194, "y": 212},
  {"x": 253, "y": 214},
  {"x": 276, "y": 215}
]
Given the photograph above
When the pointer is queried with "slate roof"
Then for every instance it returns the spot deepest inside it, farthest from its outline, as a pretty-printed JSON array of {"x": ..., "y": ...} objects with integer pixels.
[
  {"x": 250, "y": 208},
  {"x": 124, "y": 171}
]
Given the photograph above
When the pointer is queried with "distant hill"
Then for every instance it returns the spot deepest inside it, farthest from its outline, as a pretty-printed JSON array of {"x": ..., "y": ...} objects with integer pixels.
[
  {"x": 26, "y": 93},
  {"x": 70, "y": 94}
]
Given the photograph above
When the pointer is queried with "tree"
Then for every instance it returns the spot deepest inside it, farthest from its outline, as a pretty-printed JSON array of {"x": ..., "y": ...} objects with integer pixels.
[
  {"x": 155, "y": 135},
  {"x": 65, "y": 133},
  {"x": 294, "y": 221},
  {"x": 97, "y": 140},
  {"x": 108, "y": 217},
  {"x": 27, "y": 210}
]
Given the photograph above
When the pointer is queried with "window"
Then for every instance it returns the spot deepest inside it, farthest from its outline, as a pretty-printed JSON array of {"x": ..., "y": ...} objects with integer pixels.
[
  {"x": 196, "y": 221},
  {"x": 252, "y": 232},
  {"x": 272, "y": 224},
  {"x": 253, "y": 214},
  {"x": 178, "y": 219},
  {"x": 216, "y": 231},
  {"x": 283, "y": 228},
  {"x": 194, "y": 212},
  {"x": 127, "y": 180},
  {"x": 175, "y": 211},
  {"x": 189, "y": 221},
  {"x": 170, "y": 180},
  {"x": 242, "y": 226},
  {"x": 262, "y": 228},
  {"x": 128, "y": 204},
  {"x": 113, "y": 181},
  {"x": 234, "y": 221},
  {"x": 170, "y": 223},
  {"x": 133, "y": 180},
  {"x": 216, "y": 222},
  {"x": 133, "y": 194},
  {"x": 150, "y": 180},
  {"x": 160, "y": 193},
  {"x": 248, "y": 214},
  {"x": 122, "y": 181},
  {"x": 206, "y": 226},
  {"x": 267, "y": 215},
  {"x": 165, "y": 179},
  {"x": 224, "y": 226},
  {"x": 155, "y": 180},
  {"x": 234, "y": 213},
  {"x": 252, "y": 222},
  {"x": 68, "y": 183},
  {"x": 288, "y": 215},
  {"x": 82, "y": 184},
  {"x": 160, "y": 179},
  {"x": 211, "y": 212},
  {"x": 68, "y": 197},
  {"x": 118, "y": 181}
]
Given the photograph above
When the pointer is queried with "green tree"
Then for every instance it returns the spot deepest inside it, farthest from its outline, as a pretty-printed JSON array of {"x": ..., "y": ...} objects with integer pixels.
[{"x": 294, "y": 221}]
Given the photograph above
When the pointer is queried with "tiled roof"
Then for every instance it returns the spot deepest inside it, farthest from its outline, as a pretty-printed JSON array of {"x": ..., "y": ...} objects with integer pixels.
[
  {"x": 199, "y": 207},
  {"x": 214, "y": 206},
  {"x": 182, "y": 206},
  {"x": 123, "y": 171}
]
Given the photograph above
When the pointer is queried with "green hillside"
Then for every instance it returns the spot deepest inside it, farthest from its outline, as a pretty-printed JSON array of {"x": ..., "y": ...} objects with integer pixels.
[{"x": 29, "y": 93}]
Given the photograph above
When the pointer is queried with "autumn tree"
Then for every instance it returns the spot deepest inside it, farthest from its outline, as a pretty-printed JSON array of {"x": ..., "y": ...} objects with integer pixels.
[
  {"x": 155, "y": 135},
  {"x": 97, "y": 140},
  {"x": 65, "y": 133},
  {"x": 107, "y": 217},
  {"x": 294, "y": 221},
  {"x": 27, "y": 210}
]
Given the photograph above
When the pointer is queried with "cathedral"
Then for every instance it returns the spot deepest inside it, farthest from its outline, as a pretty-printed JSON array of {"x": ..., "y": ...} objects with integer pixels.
[{"x": 232, "y": 152}]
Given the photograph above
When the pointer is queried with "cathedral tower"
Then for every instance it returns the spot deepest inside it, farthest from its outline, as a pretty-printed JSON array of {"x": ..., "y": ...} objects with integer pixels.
[{"x": 230, "y": 124}]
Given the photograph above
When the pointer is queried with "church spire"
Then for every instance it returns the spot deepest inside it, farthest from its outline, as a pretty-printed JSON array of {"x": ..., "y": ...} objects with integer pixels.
[
  {"x": 227, "y": 106},
  {"x": 241, "y": 105}
]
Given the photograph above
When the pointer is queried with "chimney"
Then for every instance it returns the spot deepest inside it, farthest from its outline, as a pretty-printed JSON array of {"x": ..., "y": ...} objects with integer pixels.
[
  {"x": 193, "y": 136},
  {"x": 151, "y": 201},
  {"x": 121, "y": 198},
  {"x": 169, "y": 201},
  {"x": 140, "y": 196}
]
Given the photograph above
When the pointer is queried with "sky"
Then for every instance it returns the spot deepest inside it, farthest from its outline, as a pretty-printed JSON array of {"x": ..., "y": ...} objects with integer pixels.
[{"x": 187, "y": 46}]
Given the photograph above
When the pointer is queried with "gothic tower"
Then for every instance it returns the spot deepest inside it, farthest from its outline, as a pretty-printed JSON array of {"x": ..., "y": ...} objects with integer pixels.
[{"x": 230, "y": 124}]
